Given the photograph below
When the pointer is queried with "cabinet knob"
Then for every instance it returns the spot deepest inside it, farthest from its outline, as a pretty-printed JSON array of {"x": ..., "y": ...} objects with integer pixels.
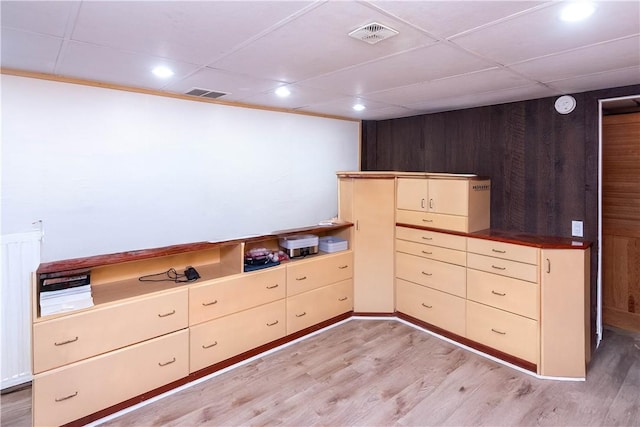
[
  {"x": 172, "y": 312},
  {"x": 167, "y": 363},
  {"x": 60, "y": 399},
  {"x": 66, "y": 342}
]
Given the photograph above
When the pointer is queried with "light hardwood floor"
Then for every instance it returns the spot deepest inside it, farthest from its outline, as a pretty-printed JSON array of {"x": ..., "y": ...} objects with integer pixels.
[{"x": 383, "y": 372}]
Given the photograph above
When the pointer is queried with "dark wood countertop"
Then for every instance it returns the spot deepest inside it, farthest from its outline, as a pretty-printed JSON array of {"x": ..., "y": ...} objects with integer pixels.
[
  {"x": 399, "y": 174},
  {"x": 515, "y": 237},
  {"x": 85, "y": 263}
]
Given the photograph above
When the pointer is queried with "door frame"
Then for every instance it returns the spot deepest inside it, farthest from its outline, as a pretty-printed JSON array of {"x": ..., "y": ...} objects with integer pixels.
[{"x": 601, "y": 103}]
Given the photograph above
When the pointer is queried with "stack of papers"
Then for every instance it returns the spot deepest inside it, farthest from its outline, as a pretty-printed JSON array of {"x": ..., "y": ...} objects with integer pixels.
[{"x": 62, "y": 300}]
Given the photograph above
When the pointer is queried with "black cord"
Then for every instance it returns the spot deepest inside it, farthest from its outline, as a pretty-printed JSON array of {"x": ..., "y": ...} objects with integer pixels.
[{"x": 171, "y": 275}]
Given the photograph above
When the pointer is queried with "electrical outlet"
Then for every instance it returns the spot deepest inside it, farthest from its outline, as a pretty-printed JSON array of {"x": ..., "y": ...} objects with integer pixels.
[{"x": 576, "y": 229}]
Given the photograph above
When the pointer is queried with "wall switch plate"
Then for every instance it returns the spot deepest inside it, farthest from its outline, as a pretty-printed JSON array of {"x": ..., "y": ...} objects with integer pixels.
[{"x": 576, "y": 229}]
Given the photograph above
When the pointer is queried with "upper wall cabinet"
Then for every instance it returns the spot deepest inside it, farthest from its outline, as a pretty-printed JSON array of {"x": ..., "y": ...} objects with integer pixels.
[{"x": 457, "y": 204}]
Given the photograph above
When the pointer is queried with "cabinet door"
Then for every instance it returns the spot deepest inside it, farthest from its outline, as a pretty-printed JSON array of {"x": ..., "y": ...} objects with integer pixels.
[
  {"x": 412, "y": 194},
  {"x": 448, "y": 196},
  {"x": 373, "y": 201},
  {"x": 565, "y": 307}
]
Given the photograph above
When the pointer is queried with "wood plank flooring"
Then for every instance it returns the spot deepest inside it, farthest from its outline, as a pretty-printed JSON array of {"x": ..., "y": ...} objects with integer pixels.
[{"x": 382, "y": 373}]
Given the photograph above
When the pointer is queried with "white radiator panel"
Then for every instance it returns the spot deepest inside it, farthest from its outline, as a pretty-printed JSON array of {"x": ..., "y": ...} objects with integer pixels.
[{"x": 20, "y": 258}]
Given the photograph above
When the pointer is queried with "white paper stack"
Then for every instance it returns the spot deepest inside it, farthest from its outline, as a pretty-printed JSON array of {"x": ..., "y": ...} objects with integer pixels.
[{"x": 69, "y": 299}]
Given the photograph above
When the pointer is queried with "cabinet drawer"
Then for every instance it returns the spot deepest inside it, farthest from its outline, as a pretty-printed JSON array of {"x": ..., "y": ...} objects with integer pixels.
[
  {"x": 220, "y": 339},
  {"x": 213, "y": 300},
  {"x": 78, "y": 336},
  {"x": 314, "y": 273},
  {"x": 526, "y": 254},
  {"x": 437, "y": 308},
  {"x": 517, "y": 296},
  {"x": 507, "y": 332},
  {"x": 313, "y": 307},
  {"x": 503, "y": 267},
  {"x": 433, "y": 238},
  {"x": 77, "y": 390},
  {"x": 433, "y": 252},
  {"x": 434, "y": 220},
  {"x": 434, "y": 274}
]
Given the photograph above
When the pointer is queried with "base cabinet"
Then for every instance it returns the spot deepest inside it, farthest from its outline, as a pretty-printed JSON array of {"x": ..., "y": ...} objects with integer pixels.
[
  {"x": 311, "y": 308},
  {"x": 65, "y": 394}
]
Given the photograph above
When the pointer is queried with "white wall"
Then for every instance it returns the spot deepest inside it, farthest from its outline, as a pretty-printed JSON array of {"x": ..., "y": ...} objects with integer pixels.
[{"x": 110, "y": 171}]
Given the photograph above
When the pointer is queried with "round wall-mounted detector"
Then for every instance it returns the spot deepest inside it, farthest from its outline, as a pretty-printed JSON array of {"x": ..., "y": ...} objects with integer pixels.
[{"x": 565, "y": 104}]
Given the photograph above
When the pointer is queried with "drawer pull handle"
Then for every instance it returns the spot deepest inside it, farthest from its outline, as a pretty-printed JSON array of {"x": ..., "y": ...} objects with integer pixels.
[
  {"x": 66, "y": 397},
  {"x": 422, "y": 203},
  {"x": 430, "y": 203},
  {"x": 498, "y": 332},
  {"x": 167, "y": 363},
  {"x": 206, "y": 304},
  {"x": 304, "y": 313},
  {"x": 172, "y": 312},
  {"x": 301, "y": 278},
  {"x": 427, "y": 252},
  {"x": 427, "y": 238},
  {"x": 498, "y": 268},
  {"x": 427, "y": 306},
  {"x": 498, "y": 293},
  {"x": 343, "y": 299},
  {"x": 498, "y": 251},
  {"x": 215, "y": 343},
  {"x": 272, "y": 324},
  {"x": 427, "y": 220},
  {"x": 427, "y": 274},
  {"x": 272, "y": 287},
  {"x": 342, "y": 267},
  {"x": 548, "y": 265},
  {"x": 66, "y": 342}
]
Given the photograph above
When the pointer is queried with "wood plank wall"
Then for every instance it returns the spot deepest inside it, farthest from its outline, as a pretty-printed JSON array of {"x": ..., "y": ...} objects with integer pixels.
[{"x": 543, "y": 165}]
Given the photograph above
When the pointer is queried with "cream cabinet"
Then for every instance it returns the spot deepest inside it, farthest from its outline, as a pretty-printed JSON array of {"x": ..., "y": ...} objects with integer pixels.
[
  {"x": 459, "y": 204},
  {"x": 369, "y": 204},
  {"x": 310, "y": 308},
  {"x": 565, "y": 312},
  {"x": 76, "y": 390}
]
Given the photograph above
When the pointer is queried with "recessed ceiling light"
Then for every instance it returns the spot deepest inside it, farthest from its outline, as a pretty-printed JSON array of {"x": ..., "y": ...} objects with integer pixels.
[
  {"x": 163, "y": 72},
  {"x": 359, "y": 107},
  {"x": 283, "y": 92},
  {"x": 577, "y": 11}
]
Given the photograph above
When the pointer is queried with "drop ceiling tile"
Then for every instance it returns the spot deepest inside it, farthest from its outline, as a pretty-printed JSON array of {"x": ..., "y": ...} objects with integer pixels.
[
  {"x": 483, "y": 99},
  {"x": 541, "y": 32},
  {"x": 415, "y": 66},
  {"x": 617, "y": 54},
  {"x": 29, "y": 51},
  {"x": 446, "y": 18},
  {"x": 103, "y": 64},
  {"x": 482, "y": 81},
  {"x": 189, "y": 31},
  {"x": 317, "y": 43},
  {"x": 343, "y": 107},
  {"x": 617, "y": 78},
  {"x": 300, "y": 96},
  {"x": 43, "y": 17},
  {"x": 237, "y": 86}
]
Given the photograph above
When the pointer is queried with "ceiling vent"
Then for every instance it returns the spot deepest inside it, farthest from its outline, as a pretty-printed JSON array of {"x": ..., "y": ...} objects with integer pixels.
[
  {"x": 373, "y": 33},
  {"x": 205, "y": 93}
]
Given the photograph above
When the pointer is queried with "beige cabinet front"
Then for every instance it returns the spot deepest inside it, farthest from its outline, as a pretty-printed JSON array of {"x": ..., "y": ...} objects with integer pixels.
[
  {"x": 369, "y": 204},
  {"x": 310, "y": 308},
  {"x": 429, "y": 305},
  {"x": 67, "y": 339},
  {"x": 222, "y": 338},
  {"x": 217, "y": 299},
  {"x": 438, "y": 275},
  {"x": 314, "y": 272},
  {"x": 445, "y": 196},
  {"x": 65, "y": 394}
]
